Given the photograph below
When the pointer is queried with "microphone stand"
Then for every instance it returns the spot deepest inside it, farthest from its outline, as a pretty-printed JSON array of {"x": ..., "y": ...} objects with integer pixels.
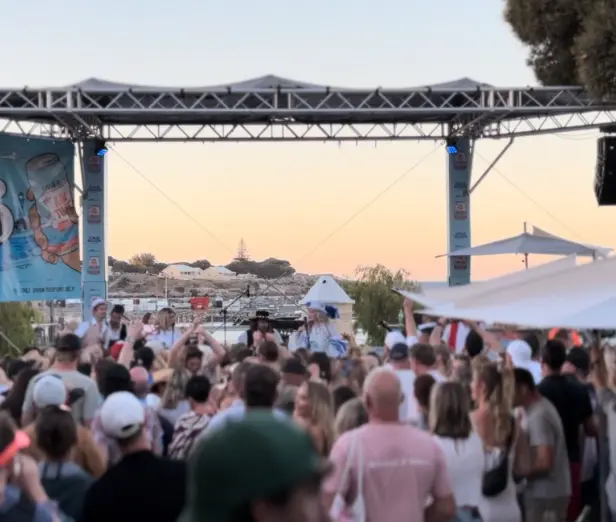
[{"x": 226, "y": 309}]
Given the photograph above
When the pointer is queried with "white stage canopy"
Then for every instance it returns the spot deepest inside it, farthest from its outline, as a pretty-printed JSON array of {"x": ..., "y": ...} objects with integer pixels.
[{"x": 537, "y": 242}]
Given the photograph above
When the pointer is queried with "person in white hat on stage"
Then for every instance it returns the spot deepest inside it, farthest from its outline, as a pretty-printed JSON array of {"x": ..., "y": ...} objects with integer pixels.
[
  {"x": 320, "y": 333},
  {"x": 98, "y": 321}
]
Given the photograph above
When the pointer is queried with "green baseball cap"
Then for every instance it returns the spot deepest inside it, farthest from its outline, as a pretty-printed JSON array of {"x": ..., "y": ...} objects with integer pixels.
[{"x": 247, "y": 459}]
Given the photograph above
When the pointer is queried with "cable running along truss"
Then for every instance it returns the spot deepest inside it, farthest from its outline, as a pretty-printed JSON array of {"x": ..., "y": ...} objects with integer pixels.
[{"x": 277, "y": 109}]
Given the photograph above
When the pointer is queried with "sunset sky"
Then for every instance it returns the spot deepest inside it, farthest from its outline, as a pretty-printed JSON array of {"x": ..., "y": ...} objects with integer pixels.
[{"x": 286, "y": 199}]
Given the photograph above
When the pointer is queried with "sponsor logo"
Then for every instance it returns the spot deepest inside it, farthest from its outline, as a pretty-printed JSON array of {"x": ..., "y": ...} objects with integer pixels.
[
  {"x": 94, "y": 188},
  {"x": 94, "y": 214},
  {"x": 460, "y": 213},
  {"x": 94, "y": 265},
  {"x": 460, "y": 161},
  {"x": 460, "y": 235},
  {"x": 462, "y": 188},
  {"x": 94, "y": 239},
  {"x": 94, "y": 164},
  {"x": 460, "y": 262}
]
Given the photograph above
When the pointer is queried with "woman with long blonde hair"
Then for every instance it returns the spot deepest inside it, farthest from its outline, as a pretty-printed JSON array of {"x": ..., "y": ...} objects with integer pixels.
[
  {"x": 450, "y": 424},
  {"x": 173, "y": 403},
  {"x": 166, "y": 332},
  {"x": 492, "y": 391},
  {"x": 314, "y": 410}
]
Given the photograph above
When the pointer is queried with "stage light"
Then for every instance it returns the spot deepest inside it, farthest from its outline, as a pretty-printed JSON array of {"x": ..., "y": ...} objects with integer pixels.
[
  {"x": 100, "y": 147},
  {"x": 451, "y": 146}
]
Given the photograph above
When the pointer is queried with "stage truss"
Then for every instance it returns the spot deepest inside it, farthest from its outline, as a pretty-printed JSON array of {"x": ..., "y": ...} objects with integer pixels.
[{"x": 275, "y": 109}]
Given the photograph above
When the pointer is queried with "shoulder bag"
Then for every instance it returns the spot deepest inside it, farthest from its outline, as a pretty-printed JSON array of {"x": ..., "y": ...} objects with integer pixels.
[
  {"x": 357, "y": 511},
  {"x": 495, "y": 480}
]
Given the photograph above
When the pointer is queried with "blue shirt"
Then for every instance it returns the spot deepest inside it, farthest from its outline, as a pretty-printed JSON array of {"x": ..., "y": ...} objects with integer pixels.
[{"x": 43, "y": 513}]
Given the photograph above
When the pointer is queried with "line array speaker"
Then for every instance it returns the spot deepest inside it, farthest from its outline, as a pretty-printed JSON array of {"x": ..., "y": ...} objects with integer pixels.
[{"x": 605, "y": 175}]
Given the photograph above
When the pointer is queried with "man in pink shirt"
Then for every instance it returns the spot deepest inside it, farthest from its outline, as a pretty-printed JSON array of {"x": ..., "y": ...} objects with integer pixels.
[{"x": 404, "y": 477}]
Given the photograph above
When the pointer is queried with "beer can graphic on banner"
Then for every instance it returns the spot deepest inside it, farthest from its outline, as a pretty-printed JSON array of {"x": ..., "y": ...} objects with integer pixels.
[
  {"x": 94, "y": 214},
  {"x": 53, "y": 208},
  {"x": 94, "y": 265}
]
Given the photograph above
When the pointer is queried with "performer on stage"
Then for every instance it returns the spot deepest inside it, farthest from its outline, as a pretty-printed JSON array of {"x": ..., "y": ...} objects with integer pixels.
[
  {"x": 320, "y": 333},
  {"x": 260, "y": 327}
]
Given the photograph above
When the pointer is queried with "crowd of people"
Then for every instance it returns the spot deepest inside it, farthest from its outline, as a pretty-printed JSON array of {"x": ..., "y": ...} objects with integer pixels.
[{"x": 127, "y": 422}]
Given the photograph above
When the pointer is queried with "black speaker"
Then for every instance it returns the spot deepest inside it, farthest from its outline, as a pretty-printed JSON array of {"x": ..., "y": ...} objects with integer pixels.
[{"x": 605, "y": 175}]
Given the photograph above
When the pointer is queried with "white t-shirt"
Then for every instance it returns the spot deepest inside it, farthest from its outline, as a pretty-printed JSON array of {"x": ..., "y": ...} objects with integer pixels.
[
  {"x": 408, "y": 408},
  {"x": 465, "y": 462},
  {"x": 167, "y": 337}
]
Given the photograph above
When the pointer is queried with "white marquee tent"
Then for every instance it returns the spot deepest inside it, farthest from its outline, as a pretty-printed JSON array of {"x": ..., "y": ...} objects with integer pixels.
[
  {"x": 451, "y": 294},
  {"x": 583, "y": 296}
]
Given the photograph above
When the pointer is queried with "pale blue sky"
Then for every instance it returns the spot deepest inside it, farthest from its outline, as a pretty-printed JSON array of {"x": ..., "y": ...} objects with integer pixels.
[
  {"x": 286, "y": 198},
  {"x": 200, "y": 42}
]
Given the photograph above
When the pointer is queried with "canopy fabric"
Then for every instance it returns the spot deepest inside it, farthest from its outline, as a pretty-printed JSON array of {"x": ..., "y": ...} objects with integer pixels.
[
  {"x": 601, "y": 251},
  {"x": 580, "y": 297},
  {"x": 535, "y": 243},
  {"x": 451, "y": 294}
]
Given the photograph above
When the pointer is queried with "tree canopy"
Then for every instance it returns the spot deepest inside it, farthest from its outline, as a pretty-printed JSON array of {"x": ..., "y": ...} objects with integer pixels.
[
  {"x": 270, "y": 268},
  {"x": 16, "y": 324},
  {"x": 374, "y": 300},
  {"x": 571, "y": 42}
]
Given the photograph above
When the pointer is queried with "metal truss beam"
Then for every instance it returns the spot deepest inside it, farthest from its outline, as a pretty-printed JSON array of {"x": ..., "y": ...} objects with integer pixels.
[
  {"x": 297, "y": 114},
  {"x": 315, "y": 132}
]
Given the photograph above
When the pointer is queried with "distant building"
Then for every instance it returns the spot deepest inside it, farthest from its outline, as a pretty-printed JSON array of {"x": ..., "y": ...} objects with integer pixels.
[
  {"x": 217, "y": 272},
  {"x": 182, "y": 272}
]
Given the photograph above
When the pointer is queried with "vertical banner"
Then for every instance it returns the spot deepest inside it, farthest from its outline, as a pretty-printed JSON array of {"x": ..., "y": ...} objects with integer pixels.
[
  {"x": 93, "y": 227},
  {"x": 39, "y": 226},
  {"x": 459, "y": 166}
]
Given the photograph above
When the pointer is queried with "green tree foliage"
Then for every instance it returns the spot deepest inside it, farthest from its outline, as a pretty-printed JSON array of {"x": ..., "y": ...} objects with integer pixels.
[
  {"x": 16, "y": 323},
  {"x": 145, "y": 260},
  {"x": 374, "y": 300},
  {"x": 572, "y": 42}
]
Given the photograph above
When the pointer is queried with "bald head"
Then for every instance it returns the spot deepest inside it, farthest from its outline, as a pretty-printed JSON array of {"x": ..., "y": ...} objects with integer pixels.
[
  {"x": 382, "y": 390},
  {"x": 139, "y": 374}
]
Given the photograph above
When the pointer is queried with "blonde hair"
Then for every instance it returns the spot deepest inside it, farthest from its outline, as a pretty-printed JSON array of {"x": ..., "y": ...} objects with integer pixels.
[
  {"x": 164, "y": 319},
  {"x": 352, "y": 414},
  {"x": 449, "y": 412},
  {"x": 499, "y": 388},
  {"x": 174, "y": 391},
  {"x": 322, "y": 412},
  {"x": 609, "y": 358}
]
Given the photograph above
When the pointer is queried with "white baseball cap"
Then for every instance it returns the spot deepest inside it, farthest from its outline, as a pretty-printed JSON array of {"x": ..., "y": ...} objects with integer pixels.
[
  {"x": 394, "y": 337},
  {"x": 122, "y": 415},
  {"x": 49, "y": 390},
  {"x": 520, "y": 353}
]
